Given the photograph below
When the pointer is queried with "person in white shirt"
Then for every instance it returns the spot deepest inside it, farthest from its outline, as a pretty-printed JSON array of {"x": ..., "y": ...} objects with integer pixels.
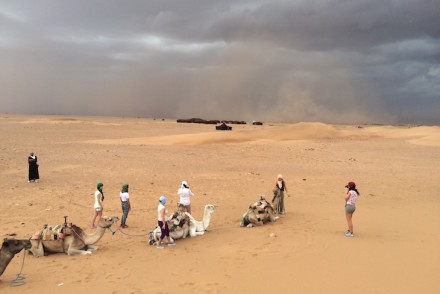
[
  {"x": 350, "y": 206},
  {"x": 125, "y": 203},
  {"x": 185, "y": 194},
  {"x": 99, "y": 198},
  {"x": 162, "y": 221}
]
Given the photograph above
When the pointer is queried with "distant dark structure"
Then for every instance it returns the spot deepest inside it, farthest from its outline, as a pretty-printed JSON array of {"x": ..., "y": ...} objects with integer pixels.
[
  {"x": 233, "y": 122},
  {"x": 223, "y": 127},
  {"x": 210, "y": 122},
  {"x": 198, "y": 121},
  {"x": 257, "y": 123}
]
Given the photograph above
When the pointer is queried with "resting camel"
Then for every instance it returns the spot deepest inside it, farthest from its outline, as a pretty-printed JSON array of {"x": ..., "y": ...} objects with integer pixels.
[
  {"x": 196, "y": 228},
  {"x": 258, "y": 214},
  {"x": 10, "y": 247},
  {"x": 75, "y": 241}
]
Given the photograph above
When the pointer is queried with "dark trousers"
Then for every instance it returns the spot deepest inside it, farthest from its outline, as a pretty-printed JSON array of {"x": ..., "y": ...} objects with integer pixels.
[
  {"x": 164, "y": 232},
  {"x": 125, "y": 210}
]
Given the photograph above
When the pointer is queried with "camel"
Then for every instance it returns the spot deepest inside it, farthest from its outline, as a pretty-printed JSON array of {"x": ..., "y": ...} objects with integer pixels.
[
  {"x": 196, "y": 228},
  {"x": 75, "y": 241},
  {"x": 10, "y": 247},
  {"x": 259, "y": 213}
]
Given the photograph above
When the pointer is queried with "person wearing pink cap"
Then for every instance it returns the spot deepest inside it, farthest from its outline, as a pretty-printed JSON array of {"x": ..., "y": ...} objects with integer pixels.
[{"x": 350, "y": 206}]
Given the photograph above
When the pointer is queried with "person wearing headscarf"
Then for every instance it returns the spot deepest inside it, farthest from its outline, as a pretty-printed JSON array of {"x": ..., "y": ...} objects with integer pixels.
[
  {"x": 280, "y": 185},
  {"x": 125, "y": 203},
  {"x": 99, "y": 198},
  {"x": 350, "y": 206},
  {"x": 162, "y": 221},
  {"x": 185, "y": 194},
  {"x": 34, "y": 176}
]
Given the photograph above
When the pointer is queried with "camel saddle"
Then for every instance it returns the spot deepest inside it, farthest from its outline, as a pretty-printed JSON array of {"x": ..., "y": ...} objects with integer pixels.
[
  {"x": 178, "y": 219},
  {"x": 56, "y": 233}
]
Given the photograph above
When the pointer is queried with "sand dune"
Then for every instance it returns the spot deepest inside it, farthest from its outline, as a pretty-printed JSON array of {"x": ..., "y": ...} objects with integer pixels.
[
  {"x": 395, "y": 249},
  {"x": 429, "y": 136},
  {"x": 241, "y": 134}
]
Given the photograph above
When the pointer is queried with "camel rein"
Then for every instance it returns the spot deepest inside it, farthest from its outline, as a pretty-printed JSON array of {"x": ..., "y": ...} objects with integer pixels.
[
  {"x": 19, "y": 280},
  {"x": 222, "y": 228}
]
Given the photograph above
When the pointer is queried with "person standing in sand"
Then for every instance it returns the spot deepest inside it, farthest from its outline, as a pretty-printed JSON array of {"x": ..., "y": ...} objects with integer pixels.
[
  {"x": 162, "y": 221},
  {"x": 350, "y": 206},
  {"x": 34, "y": 176},
  {"x": 185, "y": 196},
  {"x": 99, "y": 198},
  {"x": 125, "y": 203},
  {"x": 280, "y": 186}
]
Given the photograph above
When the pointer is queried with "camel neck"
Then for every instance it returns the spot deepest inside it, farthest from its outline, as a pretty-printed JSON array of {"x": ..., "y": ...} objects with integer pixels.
[
  {"x": 206, "y": 219},
  {"x": 91, "y": 239},
  {"x": 5, "y": 259}
]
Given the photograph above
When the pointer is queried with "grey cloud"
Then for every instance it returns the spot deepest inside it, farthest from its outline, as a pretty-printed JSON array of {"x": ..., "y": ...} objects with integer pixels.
[{"x": 332, "y": 61}]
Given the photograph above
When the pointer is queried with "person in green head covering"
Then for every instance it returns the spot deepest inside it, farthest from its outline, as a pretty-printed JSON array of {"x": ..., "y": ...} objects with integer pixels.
[
  {"x": 125, "y": 203},
  {"x": 99, "y": 198}
]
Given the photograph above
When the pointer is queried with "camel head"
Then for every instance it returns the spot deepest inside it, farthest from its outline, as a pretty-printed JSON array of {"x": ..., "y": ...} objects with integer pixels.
[
  {"x": 209, "y": 208},
  {"x": 14, "y": 246},
  {"x": 108, "y": 221}
]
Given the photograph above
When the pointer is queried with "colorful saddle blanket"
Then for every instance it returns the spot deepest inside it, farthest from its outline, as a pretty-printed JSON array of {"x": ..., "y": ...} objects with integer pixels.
[{"x": 177, "y": 220}]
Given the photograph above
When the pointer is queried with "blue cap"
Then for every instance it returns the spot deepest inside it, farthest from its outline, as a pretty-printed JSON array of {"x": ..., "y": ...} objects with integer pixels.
[{"x": 162, "y": 200}]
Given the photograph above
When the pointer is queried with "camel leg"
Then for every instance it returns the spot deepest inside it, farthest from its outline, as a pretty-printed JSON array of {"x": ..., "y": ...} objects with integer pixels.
[
  {"x": 274, "y": 218},
  {"x": 92, "y": 248},
  {"x": 254, "y": 221},
  {"x": 37, "y": 248},
  {"x": 72, "y": 251},
  {"x": 195, "y": 233}
]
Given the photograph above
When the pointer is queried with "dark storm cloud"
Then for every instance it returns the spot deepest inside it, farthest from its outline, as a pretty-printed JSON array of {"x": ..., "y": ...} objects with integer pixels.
[{"x": 332, "y": 61}]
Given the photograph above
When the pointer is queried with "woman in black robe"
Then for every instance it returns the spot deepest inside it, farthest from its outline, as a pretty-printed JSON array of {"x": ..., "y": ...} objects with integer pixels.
[{"x": 33, "y": 168}]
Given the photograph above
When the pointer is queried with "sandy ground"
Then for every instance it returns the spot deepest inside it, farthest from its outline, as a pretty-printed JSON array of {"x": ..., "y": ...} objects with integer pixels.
[{"x": 397, "y": 236}]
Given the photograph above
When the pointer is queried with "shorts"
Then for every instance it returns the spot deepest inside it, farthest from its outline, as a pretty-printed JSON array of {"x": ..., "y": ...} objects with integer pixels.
[
  {"x": 349, "y": 209},
  {"x": 98, "y": 208}
]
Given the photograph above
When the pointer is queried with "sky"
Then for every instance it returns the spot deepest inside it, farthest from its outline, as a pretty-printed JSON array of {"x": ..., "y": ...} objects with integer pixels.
[{"x": 332, "y": 61}]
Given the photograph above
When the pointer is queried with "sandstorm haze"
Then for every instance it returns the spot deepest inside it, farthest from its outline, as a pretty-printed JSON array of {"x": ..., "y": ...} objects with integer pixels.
[{"x": 330, "y": 61}]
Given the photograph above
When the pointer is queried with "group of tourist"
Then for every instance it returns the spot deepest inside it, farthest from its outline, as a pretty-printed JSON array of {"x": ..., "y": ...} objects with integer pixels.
[{"x": 185, "y": 194}]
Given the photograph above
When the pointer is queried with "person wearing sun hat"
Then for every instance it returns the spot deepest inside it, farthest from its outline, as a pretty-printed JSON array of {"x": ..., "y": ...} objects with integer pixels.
[
  {"x": 350, "y": 206},
  {"x": 185, "y": 194},
  {"x": 99, "y": 198},
  {"x": 162, "y": 221}
]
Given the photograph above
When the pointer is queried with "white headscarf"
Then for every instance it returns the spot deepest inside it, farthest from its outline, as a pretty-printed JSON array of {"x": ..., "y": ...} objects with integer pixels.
[
  {"x": 184, "y": 185},
  {"x": 280, "y": 182}
]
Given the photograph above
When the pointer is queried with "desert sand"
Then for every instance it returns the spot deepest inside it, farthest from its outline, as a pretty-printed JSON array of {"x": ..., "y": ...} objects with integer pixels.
[{"x": 396, "y": 224}]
